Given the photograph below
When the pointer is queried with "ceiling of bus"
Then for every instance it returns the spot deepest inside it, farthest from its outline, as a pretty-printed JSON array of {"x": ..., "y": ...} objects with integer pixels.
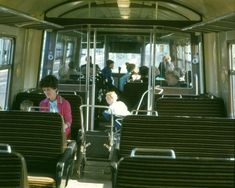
[{"x": 190, "y": 15}]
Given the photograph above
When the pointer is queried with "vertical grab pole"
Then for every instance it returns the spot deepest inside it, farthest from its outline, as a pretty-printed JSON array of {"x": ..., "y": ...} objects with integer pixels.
[
  {"x": 93, "y": 83},
  {"x": 87, "y": 78}
]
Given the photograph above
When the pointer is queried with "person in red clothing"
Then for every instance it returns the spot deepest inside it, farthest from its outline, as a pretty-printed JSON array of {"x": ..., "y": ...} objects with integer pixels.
[{"x": 55, "y": 103}]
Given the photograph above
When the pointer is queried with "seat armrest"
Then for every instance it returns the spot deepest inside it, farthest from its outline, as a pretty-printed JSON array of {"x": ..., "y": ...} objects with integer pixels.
[
  {"x": 72, "y": 146},
  {"x": 65, "y": 164}
]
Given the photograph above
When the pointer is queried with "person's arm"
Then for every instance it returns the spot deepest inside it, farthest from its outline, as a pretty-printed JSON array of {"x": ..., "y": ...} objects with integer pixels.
[
  {"x": 44, "y": 106},
  {"x": 67, "y": 115}
]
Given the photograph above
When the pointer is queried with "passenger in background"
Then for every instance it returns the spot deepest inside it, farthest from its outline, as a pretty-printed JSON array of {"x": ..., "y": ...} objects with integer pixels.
[
  {"x": 118, "y": 108},
  {"x": 26, "y": 105},
  {"x": 144, "y": 70},
  {"x": 165, "y": 65},
  {"x": 72, "y": 72},
  {"x": 62, "y": 73},
  {"x": 89, "y": 62},
  {"x": 107, "y": 74},
  {"x": 55, "y": 103},
  {"x": 135, "y": 76},
  {"x": 172, "y": 79},
  {"x": 125, "y": 78}
]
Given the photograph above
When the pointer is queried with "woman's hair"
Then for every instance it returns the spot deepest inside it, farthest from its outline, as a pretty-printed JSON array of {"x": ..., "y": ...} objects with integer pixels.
[
  {"x": 49, "y": 81},
  {"x": 167, "y": 58}
]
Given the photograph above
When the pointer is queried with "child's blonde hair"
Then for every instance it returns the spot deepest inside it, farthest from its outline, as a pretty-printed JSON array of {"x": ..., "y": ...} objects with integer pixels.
[{"x": 112, "y": 96}]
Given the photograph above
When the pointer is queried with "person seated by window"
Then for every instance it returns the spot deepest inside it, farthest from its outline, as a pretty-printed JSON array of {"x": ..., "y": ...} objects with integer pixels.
[
  {"x": 125, "y": 78},
  {"x": 89, "y": 62},
  {"x": 165, "y": 65},
  {"x": 117, "y": 108},
  {"x": 62, "y": 73},
  {"x": 107, "y": 74},
  {"x": 172, "y": 79},
  {"x": 72, "y": 72},
  {"x": 144, "y": 71},
  {"x": 55, "y": 103},
  {"x": 135, "y": 76},
  {"x": 26, "y": 105}
]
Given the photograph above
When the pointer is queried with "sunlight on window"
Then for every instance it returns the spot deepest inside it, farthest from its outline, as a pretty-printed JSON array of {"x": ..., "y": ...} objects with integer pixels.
[
  {"x": 120, "y": 60},
  {"x": 3, "y": 86}
]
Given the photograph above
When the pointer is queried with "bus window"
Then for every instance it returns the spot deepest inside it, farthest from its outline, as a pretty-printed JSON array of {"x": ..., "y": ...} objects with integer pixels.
[
  {"x": 120, "y": 60},
  {"x": 232, "y": 78},
  {"x": 161, "y": 50},
  {"x": 6, "y": 51}
]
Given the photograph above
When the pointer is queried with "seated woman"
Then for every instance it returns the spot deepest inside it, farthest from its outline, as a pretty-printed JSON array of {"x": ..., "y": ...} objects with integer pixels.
[
  {"x": 118, "y": 108},
  {"x": 55, "y": 103}
]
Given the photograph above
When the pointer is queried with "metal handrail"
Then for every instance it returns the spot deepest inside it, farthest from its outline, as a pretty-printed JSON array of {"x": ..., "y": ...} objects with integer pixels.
[{"x": 147, "y": 150}]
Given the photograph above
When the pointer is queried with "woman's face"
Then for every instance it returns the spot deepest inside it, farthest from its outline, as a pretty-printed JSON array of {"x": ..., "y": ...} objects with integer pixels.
[{"x": 50, "y": 93}]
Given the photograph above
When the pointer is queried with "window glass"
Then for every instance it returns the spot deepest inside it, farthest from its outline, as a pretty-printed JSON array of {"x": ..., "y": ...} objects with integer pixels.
[
  {"x": 3, "y": 86},
  {"x": 161, "y": 50},
  {"x": 99, "y": 56},
  {"x": 232, "y": 72},
  {"x": 6, "y": 51},
  {"x": 120, "y": 60}
]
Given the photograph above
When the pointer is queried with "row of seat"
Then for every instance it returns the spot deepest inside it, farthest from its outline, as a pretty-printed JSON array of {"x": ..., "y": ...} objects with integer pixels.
[
  {"x": 209, "y": 139},
  {"x": 13, "y": 171},
  {"x": 40, "y": 139},
  {"x": 187, "y": 136},
  {"x": 190, "y": 106},
  {"x": 75, "y": 101},
  {"x": 144, "y": 172},
  {"x": 204, "y": 151}
]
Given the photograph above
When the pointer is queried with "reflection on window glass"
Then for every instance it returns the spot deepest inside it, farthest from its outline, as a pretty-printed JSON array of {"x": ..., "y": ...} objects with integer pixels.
[{"x": 3, "y": 86}]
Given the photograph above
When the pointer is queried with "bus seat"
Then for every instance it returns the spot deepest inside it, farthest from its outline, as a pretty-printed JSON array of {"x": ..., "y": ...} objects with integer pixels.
[
  {"x": 190, "y": 106},
  {"x": 13, "y": 170},
  {"x": 39, "y": 137},
  {"x": 156, "y": 172},
  {"x": 211, "y": 137},
  {"x": 74, "y": 100}
]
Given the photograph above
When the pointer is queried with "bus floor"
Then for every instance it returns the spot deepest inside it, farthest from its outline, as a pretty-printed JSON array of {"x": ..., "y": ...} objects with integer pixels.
[{"x": 96, "y": 175}]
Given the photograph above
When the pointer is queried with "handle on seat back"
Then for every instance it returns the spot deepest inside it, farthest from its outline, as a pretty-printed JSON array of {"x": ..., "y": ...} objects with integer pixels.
[
  {"x": 151, "y": 112},
  {"x": 5, "y": 148},
  {"x": 172, "y": 95},
  {"x": 150, "y": 150}
]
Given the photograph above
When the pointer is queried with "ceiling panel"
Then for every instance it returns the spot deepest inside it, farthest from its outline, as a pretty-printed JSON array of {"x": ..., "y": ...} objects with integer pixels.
[
  {"x": 15, "y": 18},
  {"x": 219, "y": 24}
]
